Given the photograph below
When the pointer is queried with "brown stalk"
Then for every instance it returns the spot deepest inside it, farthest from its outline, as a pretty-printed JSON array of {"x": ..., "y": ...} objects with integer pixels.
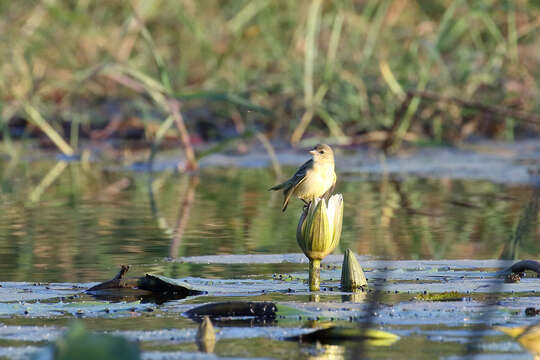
[
  {"x": 174, "y": 108},
  {"x": 183, "y": 215}
]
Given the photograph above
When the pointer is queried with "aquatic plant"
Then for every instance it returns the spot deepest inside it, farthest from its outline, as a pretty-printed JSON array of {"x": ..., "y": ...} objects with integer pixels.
[
  {"x": 79, "y": 343},
  {"x": 352, "y": 275},
  {"x": 318, "y": 233},
  {"x": 206, "y": 336},
  {"x": 339, "y": 65}
]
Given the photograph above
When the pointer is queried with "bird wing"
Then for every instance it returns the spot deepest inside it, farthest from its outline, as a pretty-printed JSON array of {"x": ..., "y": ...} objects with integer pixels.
[
  {"x": 329, "y": 192},
  {"x": 295, "y": 180}
]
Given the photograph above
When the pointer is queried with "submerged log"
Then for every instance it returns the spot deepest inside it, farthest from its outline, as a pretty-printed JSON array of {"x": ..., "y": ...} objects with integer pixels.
[
  {"x": 522, "y": 266},
  {"x": 234, "y": 309},
  {"x": 145, "y": 285},
  {"x": 515, "y": 272}
]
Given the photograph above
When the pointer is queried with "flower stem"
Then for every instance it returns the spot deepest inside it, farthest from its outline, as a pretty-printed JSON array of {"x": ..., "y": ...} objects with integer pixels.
[{"x": 314, "y": 275}]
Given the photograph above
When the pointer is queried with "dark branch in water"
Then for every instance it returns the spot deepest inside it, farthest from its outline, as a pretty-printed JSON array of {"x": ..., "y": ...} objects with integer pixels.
[
  {"x": 123, "y": 270},
  {"x": 117, "y": 282},
  {"x": 144, "y": 285},
  {"x": 515, "y": 272}
]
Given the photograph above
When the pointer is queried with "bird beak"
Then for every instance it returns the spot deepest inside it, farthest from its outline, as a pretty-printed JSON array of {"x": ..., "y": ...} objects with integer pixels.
[{"x": 312, "y": 152}]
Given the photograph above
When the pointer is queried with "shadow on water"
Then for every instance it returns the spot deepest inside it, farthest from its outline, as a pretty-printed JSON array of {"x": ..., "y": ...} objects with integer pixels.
[{"x": 129, "y": 296}]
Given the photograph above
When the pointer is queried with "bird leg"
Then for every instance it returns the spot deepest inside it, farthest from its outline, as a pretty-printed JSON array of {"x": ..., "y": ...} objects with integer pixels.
[{"x": 306, "y": 204}]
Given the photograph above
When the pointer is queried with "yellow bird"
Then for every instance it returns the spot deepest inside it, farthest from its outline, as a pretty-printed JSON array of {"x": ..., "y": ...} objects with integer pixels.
[{"x": 314, "y": 179}]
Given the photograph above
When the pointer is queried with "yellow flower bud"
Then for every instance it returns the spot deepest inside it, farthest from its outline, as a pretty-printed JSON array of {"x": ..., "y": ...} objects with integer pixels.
[
  {"x": 206, "y": 336},
  {"x": 318, "y": 233},
  {"x": 319, "y": 228}
]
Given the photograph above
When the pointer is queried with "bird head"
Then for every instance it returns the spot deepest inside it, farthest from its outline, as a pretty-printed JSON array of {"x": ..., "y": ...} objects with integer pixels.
[{"x": 322, "y": 153}]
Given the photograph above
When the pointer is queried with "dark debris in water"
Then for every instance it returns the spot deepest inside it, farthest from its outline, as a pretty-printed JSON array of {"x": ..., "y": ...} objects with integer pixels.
[
  {"x": 241, "y": 309},
  {"x": 516, "y": 272},
  {"x": 149, "y": 287}
]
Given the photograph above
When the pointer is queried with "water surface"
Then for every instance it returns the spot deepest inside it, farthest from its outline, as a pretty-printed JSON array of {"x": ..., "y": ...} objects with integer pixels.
[{"x": 218, "y": 231}]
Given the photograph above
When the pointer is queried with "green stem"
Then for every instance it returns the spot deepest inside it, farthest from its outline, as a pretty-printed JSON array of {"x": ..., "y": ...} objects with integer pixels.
[{"x": 314, "y": 275}]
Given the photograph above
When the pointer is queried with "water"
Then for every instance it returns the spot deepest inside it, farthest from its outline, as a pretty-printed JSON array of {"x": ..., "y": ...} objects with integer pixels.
[{"x": 90, "y": 220}]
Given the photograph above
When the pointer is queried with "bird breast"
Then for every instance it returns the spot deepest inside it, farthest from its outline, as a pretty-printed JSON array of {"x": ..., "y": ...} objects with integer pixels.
[{"x": 318, "y": 180}]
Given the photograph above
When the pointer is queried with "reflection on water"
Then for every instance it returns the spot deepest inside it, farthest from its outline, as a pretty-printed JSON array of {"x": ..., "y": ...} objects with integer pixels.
[
  {"x": 356, "y": 297},
  {"x": 327, "y": 352},
  {"x": 88, "y": 221}
]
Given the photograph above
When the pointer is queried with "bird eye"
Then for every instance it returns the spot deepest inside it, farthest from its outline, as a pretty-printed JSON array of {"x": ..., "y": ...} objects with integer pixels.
[{"x": 321, "y": 152}]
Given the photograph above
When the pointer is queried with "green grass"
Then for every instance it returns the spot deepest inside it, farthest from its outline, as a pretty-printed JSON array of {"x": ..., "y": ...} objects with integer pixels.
[{"x": 290, "y": 67}]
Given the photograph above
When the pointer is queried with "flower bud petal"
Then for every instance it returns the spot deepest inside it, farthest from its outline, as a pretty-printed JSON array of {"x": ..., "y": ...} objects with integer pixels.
[
  {"x": 206, "y": 336},
  {"x": 352, "y": 275}
]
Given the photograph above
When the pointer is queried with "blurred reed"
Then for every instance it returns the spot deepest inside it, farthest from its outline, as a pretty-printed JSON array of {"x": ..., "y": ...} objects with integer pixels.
[{"x": 333, "y": 69}]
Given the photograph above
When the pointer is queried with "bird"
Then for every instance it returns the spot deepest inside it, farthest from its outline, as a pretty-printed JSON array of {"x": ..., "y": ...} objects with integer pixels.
[{"x": 314, "y": 179}]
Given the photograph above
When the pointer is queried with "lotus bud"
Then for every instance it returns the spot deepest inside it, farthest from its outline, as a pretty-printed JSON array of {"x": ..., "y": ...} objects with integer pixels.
[
  {"x": 318, "y": 233},
  {"x": 352, "y": 275},
  {"x": 206, "y": 336}
]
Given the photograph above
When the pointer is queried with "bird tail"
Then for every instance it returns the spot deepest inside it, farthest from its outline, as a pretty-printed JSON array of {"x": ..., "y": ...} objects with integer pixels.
[
  {"x": 287, "y": 192},
  {"x": 287, "y": 196},
  {"x": 278, "y": 187}
]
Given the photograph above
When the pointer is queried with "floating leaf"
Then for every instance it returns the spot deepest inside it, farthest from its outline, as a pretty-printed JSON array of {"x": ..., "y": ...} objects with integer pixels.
[{"x": 341, "y": 333}]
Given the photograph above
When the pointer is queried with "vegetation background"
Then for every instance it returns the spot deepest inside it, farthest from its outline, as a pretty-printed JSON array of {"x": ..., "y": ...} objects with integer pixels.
[{"x": 426, "y": 71}]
